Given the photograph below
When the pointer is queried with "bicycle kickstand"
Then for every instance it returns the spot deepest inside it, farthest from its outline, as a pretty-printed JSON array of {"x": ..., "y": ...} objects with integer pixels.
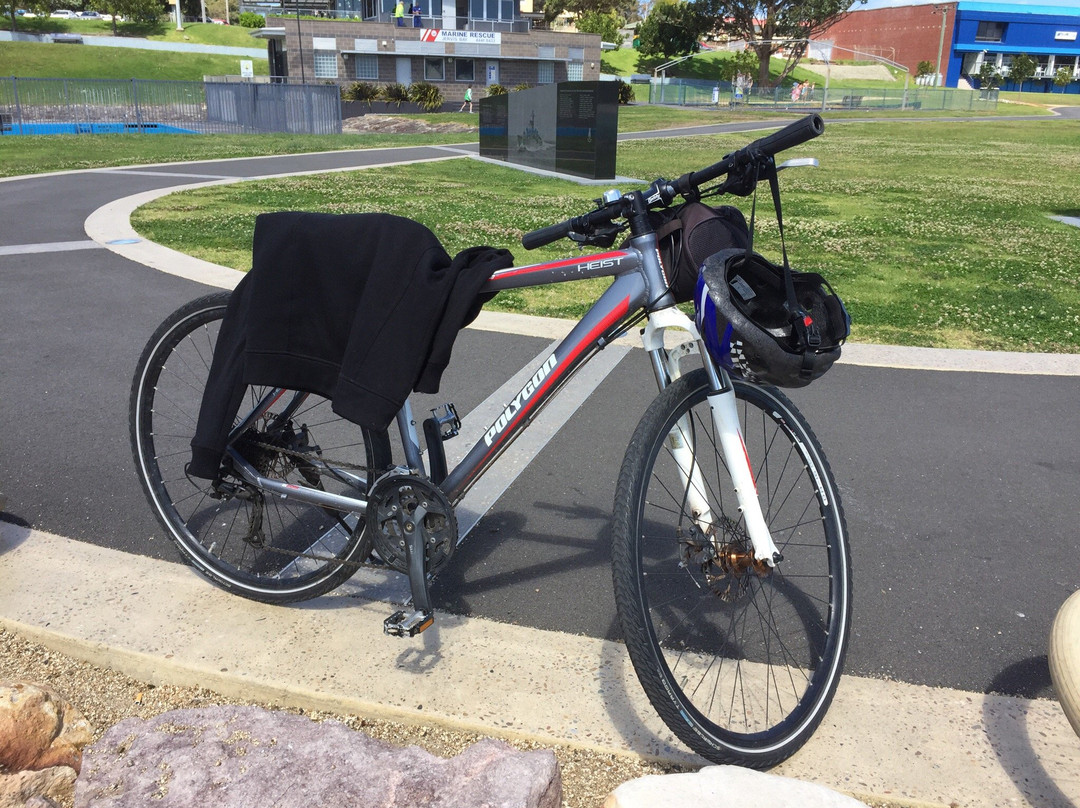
[{"x": 408, "y": 624}]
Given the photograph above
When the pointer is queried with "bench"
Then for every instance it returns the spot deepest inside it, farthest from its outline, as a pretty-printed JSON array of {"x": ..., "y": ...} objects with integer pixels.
[
  {"x": 6, "y": 121},
  {"x": 852, "y": 101},
  {"x": 71, "y": 39}
]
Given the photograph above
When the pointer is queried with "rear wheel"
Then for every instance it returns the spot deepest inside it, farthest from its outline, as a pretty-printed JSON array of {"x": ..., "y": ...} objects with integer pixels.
[
  {"x": 741, "y": 660},
  {"x": 246, "y": 540}
]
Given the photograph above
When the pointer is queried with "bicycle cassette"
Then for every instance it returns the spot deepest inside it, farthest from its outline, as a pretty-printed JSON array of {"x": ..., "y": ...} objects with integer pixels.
[{"x": 400, "y": 504}]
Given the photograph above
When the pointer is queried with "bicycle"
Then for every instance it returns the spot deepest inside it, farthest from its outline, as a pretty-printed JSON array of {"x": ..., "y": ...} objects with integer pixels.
[{"x": 733, "y": 592}]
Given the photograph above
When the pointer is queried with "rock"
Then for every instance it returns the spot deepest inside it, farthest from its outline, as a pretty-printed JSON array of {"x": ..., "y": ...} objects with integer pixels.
[
  {"x": 725, "y": 787},
  {"x": 39, "y": 729},
  {"x": 37, "y": 789},
  {"x": 242, "y": 756}
]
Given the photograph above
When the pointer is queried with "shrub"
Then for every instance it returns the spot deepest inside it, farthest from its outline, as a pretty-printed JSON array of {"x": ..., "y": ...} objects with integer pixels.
[
  {"x": 360, "y": 91},
  {"x": 523, "y": 86},
  {"x": 249, "y": 19},
  {"x": 496, "y": 89},
  {"x": 425, "y": 95},
  {"x": 626, "y": 93},
  {"x": 396, "y": 94}
]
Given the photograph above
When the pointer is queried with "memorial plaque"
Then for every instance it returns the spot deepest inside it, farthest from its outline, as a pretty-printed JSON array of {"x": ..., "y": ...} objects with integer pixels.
[{"x": 569, "y": 127}]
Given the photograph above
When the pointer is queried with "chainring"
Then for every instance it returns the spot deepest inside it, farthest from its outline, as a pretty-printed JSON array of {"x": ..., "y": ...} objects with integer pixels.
[{"x": 399, "y": 504}]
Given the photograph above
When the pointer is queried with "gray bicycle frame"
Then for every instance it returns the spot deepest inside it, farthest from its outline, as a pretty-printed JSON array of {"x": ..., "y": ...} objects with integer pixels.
[{"x": 639, "y": 284}]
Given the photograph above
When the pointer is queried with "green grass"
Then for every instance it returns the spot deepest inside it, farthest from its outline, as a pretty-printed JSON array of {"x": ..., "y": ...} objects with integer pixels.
[
  {"x": 935, "y": 234},
  {"x": 164, "y": 30},
  {"x": 50, "y": 60}
]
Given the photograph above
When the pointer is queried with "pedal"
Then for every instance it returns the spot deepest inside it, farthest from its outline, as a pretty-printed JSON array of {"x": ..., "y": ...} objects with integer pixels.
[
  {"x": 407, "y": 624},
  {"x": 449, "y": 423}
]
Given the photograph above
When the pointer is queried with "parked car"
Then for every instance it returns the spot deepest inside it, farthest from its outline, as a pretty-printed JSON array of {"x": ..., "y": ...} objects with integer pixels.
[
  {"x": 63, "y": 13},
  {"x": 89, "y": 15}
]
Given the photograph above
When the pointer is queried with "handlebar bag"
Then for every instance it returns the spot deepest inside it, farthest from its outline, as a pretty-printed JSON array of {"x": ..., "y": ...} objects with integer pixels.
[{"x": 692, "y": 232}]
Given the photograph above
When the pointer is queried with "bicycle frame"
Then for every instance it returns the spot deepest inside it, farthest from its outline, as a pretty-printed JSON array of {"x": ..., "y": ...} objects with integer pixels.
[{"x": 638, "y": 284}]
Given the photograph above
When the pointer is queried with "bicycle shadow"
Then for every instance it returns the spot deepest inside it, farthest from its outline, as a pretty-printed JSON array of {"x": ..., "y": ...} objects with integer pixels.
[
  {"x": 1007, "y": 724},
  {"x": 14, "y": 530}
]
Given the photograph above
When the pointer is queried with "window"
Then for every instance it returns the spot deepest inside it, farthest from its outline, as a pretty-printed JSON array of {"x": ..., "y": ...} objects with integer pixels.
[
  {"x": 366, "y": 66},
  {"x": 545, "y": 73},
  {"x": 325, "y": 64},
  {"x": 576, "y": 54},
  {"x": 464, "y": 70},
  {"x": 573, "y": 71},
  {"x": 433, "y": 70},
  {"x": 990, "y": 32}
]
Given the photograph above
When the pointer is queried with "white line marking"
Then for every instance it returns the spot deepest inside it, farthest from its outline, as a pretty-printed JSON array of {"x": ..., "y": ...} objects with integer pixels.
[{"x": 56, "y": 246}]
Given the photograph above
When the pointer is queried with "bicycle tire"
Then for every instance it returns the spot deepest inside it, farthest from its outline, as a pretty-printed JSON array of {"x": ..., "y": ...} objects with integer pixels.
[
  {"x": 740, "y": 666},
  {"x": 255, "y": 545}
]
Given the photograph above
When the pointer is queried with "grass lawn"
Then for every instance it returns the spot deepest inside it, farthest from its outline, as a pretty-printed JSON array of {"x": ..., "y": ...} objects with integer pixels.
[
  {"x": 193, "y": 32},
  {"x": 50, "y": 60},
  {"x": 935, "y": 234}
]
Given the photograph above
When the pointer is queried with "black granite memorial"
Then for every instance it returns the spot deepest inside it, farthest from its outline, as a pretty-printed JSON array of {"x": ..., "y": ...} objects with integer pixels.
[{"x": 569, "y": 128}]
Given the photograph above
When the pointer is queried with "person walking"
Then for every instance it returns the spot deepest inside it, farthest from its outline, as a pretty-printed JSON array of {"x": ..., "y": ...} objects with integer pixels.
[
  {"x": 399, "y": 13},
  {"x": 468, "y": 99}
]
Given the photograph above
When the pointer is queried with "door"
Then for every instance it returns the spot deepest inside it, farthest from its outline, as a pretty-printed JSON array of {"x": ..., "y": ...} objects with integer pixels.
[{"x": 404, "y": 70}]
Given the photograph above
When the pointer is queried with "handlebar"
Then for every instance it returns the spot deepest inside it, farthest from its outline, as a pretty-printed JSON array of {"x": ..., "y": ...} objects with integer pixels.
[{"x": 663, "y": 192}]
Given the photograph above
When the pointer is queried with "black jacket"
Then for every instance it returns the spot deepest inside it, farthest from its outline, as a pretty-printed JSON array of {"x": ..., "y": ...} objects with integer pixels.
[{"x": 358, "y": 308}]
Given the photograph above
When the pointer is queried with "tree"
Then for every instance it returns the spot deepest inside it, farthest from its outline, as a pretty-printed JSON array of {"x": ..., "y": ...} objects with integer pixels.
[
  {"x": 1062, "y": 78},
  {"x": 607, "y": 24},
  {"x": 743, "y": 63},
  {"x": 671, "y": 29},
  {"x": 623, "y": 9},
  {"x": 773, "y": 25},
  {"x": 1022, "y": 69},
  {"x": 988, "y": 76},
  {"x": 924, "y": 68},
  {"x": 134, "y": 10}
]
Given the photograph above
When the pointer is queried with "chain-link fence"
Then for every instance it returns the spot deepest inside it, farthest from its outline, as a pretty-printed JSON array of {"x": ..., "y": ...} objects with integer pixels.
[
  {"x": 31, "y": 106},
  {"x": 697, "y": 92}
]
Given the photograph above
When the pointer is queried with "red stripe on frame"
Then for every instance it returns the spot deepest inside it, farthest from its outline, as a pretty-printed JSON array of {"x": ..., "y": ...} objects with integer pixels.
[
  {"x": 612, "y": 317},
  {"x": 566, "y": 262}
]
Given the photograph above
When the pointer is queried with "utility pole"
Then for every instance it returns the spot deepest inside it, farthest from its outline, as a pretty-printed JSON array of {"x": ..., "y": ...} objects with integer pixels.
[{"x": 944, "y": 11}]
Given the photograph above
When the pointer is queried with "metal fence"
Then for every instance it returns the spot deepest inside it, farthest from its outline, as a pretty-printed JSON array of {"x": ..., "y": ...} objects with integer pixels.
[
  {"x": 104, "y": 106},
  {"x": 696, "y": 92}
]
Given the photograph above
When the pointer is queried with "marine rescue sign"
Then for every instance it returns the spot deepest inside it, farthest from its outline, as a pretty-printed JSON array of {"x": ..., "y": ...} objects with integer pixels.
[{"x": 463, "y": 37}]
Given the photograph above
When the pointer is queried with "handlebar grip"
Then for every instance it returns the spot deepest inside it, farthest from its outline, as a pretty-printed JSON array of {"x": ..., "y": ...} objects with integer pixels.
[
  {"x": 546, "y": 235},
  {"x": 791, "y": 135}
]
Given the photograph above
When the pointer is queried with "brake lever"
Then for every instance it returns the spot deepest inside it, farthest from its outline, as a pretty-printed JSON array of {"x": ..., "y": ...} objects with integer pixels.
[{"x": 603, "y": 236}]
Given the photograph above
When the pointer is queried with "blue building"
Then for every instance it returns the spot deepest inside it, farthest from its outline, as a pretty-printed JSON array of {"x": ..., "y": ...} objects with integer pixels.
[{"x": 999, "y": 32}]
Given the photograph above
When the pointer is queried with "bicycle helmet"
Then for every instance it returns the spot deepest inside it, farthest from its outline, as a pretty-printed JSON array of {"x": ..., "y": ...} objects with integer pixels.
[{"x": 742, "y": 312}]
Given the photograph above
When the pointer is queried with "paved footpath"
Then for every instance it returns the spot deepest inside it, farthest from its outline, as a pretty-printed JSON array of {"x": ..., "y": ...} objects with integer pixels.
[{"x": 957, "y": 471}]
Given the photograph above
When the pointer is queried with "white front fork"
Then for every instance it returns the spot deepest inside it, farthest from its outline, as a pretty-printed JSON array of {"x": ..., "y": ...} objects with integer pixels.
[{"x": 725, "y": 417}]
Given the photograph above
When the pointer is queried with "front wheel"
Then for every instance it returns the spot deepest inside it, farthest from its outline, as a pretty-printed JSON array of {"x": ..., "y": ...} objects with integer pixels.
[{"x": 740, "y": 660}]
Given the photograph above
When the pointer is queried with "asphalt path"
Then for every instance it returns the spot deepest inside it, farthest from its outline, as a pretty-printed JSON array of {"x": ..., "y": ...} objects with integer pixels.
[{"x": 960, "y": 487}]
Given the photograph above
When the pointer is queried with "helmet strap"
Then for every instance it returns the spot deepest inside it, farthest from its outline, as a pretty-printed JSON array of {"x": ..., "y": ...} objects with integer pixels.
[{"x": 804, "y": 327}]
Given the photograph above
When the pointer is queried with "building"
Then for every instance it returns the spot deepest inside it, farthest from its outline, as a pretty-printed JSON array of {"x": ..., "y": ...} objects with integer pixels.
[
  {"x": 960, "y": 37},
  {"x": 450, "y": 44}
]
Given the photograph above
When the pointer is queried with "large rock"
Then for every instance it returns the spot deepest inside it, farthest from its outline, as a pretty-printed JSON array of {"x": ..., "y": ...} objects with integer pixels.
[
  {"x": 243, "y": 756},
  {"x": 37, "y": 789},
  {"x": 39, "y": 729},
  {"x": 725, "y": 787}
]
